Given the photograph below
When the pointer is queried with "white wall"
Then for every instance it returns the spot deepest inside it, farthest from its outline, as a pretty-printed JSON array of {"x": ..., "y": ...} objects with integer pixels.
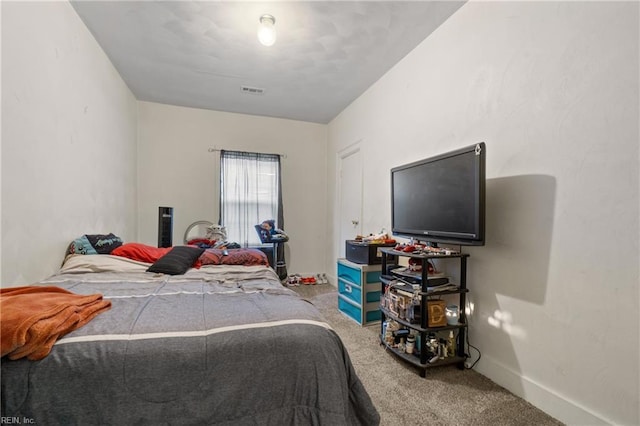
[
  {"x": 176, "y": 170},
  {"x": 68, "y": 140},
  {"x": 552, "y": 88}
]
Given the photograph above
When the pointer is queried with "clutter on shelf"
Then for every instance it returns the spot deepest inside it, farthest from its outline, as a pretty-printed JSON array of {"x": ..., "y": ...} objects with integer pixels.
[{"x": 380, "y": 238}]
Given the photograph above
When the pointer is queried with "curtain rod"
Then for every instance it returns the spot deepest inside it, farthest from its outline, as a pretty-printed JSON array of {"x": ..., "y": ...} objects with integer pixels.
[{"x": 270, "y": 153}]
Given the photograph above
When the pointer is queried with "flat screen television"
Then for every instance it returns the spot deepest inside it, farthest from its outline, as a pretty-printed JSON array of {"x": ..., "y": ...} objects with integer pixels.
[{"x": 441, "y": 199}]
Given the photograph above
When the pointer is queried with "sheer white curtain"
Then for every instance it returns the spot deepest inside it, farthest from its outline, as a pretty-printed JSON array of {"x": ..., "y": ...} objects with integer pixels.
[{"x": 249, "y": 194}]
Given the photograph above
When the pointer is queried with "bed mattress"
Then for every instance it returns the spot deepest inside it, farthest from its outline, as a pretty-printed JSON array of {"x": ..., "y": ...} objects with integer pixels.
[{"x": 219, "y": 345}]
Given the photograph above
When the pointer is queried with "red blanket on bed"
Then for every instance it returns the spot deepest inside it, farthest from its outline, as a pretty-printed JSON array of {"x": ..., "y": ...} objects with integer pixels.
[{"x": 32, "y": 318}]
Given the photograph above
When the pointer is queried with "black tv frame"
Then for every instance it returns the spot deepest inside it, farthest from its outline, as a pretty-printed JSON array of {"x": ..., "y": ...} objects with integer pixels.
[{"x": 435, "y": 236}]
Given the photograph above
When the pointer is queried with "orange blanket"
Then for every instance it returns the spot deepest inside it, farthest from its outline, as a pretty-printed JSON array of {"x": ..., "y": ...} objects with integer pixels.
[{"x": 32, "y": 318}]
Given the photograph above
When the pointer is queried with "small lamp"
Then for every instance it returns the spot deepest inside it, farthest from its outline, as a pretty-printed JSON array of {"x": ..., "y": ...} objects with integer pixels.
[{"x": 267, "y": 30}]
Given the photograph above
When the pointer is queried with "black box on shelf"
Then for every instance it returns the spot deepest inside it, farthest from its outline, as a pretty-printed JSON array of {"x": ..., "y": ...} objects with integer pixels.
[{"x": 363, "y": 252}]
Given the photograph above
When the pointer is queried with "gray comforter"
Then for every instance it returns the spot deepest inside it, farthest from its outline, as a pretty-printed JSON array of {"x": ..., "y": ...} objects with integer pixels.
[{"x": 220, "y": 345}]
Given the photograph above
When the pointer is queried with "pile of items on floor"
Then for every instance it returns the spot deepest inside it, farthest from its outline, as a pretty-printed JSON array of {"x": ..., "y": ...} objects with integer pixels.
[{"x": 297, "y": 279}]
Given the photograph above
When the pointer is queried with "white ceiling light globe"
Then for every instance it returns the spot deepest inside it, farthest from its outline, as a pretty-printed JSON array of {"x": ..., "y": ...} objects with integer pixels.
[{"x": 267, "y": 30}]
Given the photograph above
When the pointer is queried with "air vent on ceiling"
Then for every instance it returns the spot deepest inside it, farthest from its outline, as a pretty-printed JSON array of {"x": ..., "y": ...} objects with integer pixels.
[{"x": 252, "y": 90}]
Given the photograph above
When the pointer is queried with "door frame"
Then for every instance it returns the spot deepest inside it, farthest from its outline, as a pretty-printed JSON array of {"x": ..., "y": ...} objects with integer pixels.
[{"x": 340, "y": 156}]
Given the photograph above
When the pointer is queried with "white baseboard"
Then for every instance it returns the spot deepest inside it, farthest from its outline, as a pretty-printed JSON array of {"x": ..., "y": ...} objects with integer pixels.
[{"x": 538, "y": 395}]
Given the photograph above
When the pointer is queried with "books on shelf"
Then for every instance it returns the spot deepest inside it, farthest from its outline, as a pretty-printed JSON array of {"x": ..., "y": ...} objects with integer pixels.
[
  {"x": 444, "y": 287},
  {"x": 406, "y": 274},
  {"x": 409, "y": 289}
]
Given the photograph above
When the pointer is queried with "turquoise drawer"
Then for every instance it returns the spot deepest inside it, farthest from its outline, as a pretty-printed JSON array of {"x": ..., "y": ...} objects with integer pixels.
[
  {"x": 351, "y": 310},
  {"x": 350, "y": 290},
  {"x": 354, "y": 311},
  {"x": 354, "y": 292},
  {"x": 359, "y": 291},
  {"x": 373, "y": 292},
  {"x": 350, "y": 274},
  {"x": 373, "y": 276},
  {"x": 373, "y": 316}
]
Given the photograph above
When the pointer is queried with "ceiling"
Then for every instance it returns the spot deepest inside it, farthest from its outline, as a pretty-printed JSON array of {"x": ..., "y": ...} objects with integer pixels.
[{"x": 201, "y": 53}]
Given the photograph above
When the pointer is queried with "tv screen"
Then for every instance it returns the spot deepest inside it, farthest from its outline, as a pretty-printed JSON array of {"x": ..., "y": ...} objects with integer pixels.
[{"x": 441, "y": 199}]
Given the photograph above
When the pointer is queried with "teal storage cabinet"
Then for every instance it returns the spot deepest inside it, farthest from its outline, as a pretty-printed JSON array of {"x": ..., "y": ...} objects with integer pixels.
[{"x": 359, "y": 291}]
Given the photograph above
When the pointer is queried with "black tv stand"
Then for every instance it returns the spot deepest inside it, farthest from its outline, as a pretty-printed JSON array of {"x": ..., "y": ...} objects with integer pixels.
[{"x": 422, "y": 357}]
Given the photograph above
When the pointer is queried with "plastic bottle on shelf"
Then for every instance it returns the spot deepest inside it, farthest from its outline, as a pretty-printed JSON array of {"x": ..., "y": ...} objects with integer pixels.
[
  {"x": 410, "y": 345},
  {"x": 387, "y": 335},
  {"x": 452, "y": 344},
  {"x": 384, "y": 328},
  {"x": 432, "y": 344},
  {"x": 442, "y": 349}
]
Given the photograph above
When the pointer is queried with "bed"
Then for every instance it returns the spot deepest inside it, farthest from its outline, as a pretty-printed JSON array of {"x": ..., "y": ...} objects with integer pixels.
[{"x": 221, "y": 344}]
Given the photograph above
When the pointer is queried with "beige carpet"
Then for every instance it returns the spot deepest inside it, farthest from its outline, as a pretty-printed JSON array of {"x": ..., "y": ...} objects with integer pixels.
[{"x": 447, "y": 396}]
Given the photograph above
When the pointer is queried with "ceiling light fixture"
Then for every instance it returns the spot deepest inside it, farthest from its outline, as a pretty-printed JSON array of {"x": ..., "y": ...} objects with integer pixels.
[{"x": 267, "y": 30}]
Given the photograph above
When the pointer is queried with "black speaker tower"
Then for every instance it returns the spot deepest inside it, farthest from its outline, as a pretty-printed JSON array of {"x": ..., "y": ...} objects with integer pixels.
[{"x": 165, "y": 226}]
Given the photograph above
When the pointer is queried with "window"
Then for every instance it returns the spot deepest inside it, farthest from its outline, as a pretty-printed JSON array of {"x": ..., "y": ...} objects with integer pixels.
[{"x": 249, "y": 193}]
